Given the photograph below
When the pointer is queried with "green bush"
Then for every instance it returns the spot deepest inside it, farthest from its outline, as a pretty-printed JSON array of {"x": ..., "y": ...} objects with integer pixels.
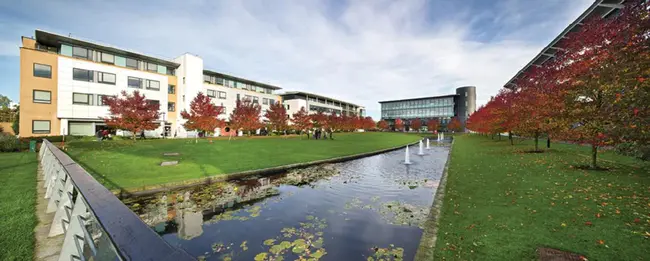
[
  {"x": 9, "y": 143},
  {"x": 634, "y": 150}
]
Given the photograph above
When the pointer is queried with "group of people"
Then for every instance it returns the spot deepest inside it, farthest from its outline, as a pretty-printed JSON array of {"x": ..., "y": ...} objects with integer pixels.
[
  {"x": 320, "y": 134},
  {"x": 103, "y": 135}
]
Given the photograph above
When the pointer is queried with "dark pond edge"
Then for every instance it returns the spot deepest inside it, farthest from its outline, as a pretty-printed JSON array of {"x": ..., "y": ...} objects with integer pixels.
[
  {"x": 137, "y": 192},
  {"x": 430, "y": 231}
]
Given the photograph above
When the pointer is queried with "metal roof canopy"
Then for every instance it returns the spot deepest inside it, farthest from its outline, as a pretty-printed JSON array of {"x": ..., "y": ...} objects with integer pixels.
[
  {"x": 209, "y": 72},
  {"x": 602, "y": 8},
  {"x": 318, "y": 96},
  {"x": 421, "y": 98},
  {"x": 52, "y": 39}
]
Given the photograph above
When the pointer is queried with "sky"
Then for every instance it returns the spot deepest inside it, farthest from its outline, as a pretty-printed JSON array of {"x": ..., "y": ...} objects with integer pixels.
[{"x": 357, "y": 51}]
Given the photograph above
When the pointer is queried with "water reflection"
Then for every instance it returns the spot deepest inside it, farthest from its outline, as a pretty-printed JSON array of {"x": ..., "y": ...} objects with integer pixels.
[{"x": 351, "y": 210}]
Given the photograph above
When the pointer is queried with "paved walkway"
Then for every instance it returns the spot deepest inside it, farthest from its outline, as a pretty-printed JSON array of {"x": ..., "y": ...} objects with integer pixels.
[{"x": 47, "y": 249}]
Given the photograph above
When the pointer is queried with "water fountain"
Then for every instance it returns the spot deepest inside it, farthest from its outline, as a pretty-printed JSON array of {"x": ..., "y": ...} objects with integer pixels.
[
  {"x": 406, "y": 156},
  {"x": 421, "y": 147},
  {"x": 438, "y": 136},
  {"x": 428, "y": 144},
  {"x": 442, "y": 136}
]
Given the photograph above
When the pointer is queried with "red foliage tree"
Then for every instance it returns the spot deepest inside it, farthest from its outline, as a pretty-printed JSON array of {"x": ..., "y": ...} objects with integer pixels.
[
  {"x": 368, "y": 123},
  {"x": 382, "y": 125},
  {"x": 277, "y": 117},
  {"x": 399, "y": 124},
  {"x": 246, "y": 116},
  {"x": 301, "y": 121},
  {"x": 433, "y": 124},
  {"x": 132, "y": 113},
  {"x": 454, "y": 125},
  {"x": 203, "y": 115},
  {"x": 416, "y": 124}
]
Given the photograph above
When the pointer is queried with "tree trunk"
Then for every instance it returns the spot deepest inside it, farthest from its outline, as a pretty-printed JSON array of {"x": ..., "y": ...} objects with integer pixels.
[
  {"x": 536, "y": 142},
  {"x": 548, "y": 142},
  {"x": 510, "y": 137},
  {"x": 594, "y": 156},
  {"x": 499, "y": 136},
  {"x": 133, "y": 136}
]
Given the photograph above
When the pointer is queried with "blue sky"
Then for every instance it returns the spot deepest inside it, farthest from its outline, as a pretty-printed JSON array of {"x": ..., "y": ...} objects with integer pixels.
[{"x": 359, "y": 51}]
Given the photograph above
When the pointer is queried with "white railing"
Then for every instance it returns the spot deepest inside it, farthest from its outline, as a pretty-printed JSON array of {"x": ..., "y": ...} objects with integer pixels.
[{"x": 95, "y": 224}]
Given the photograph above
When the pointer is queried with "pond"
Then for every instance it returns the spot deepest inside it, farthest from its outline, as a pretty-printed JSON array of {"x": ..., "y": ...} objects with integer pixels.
[{"x": 364, "y": 209}]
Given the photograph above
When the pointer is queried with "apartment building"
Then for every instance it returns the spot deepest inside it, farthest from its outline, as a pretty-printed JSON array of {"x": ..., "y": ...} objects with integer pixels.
[
  {"x": 63, "y": 80},
  {"x": 314, "y": 103}
]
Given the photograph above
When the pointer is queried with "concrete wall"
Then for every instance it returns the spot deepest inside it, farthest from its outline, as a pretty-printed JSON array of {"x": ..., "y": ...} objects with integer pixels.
[{"x": 466, "y": 102}]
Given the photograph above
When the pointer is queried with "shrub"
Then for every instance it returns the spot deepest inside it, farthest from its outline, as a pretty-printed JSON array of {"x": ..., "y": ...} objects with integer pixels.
[
  {"x": 9, "y": 143},
  {"x": 634, "y": 150}
]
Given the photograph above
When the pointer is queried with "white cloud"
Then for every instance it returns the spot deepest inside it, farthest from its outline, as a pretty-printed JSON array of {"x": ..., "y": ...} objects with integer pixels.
[{"x": 363, "y": 53}]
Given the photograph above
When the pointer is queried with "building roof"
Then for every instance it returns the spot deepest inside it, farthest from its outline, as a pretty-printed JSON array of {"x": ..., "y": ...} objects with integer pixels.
[
  {"x": 421, "y": 98},
  {"x": 52, "y": 39},
  {"x": 239, "y": 79},
  {"x": 318, "y": 96},
  {"x": 602, "y": 8}
]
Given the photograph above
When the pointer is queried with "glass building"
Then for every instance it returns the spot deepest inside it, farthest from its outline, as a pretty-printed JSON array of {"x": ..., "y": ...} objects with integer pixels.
[{"x": 442, "y": 108}]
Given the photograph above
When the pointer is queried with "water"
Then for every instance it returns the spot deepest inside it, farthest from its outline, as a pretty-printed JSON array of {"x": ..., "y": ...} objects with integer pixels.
[{"x": 349, "y": 211}]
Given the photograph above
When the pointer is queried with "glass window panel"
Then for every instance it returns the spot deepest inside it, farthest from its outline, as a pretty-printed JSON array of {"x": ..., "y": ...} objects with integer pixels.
[
  {"x": 42, "y": 70},
  {"x": 82, "y": 98},
  {"x": 132, "y": 63},
  {"x": 212, "y": 93},
  {"x": 152, "y": 67},
  {"x": 134, "y": 82},
  {"x": 108, "y": 58},
  {"x": 80, "y": 128},
  {"x": 82, "y": 75},
  {"x": 80, "y": 52},
  {"x": 66, "y": 50},
  {"x": 106, "y": 77},
  {"x": 171, "y": 106},
  {"x": 120, "y": 61},
  {"x": 40, "y": 126},
  {"x": 222, "y": 95},
  {"x": 42, "y": 96},
  {"x": 171, "y": 89},
  {"x": 153, "y": 85}
]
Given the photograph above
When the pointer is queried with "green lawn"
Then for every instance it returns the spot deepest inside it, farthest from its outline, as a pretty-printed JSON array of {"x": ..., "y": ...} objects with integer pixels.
[
  {"x": 128, "y": 165},
  {"x": 502, "y": 204},
  {"x": 17, "y": 205}
]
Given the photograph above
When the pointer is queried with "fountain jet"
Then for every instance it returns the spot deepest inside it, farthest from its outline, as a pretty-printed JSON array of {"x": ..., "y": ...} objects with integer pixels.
[
  {"x": 406, "y": 156},
  {"x": 421, "y": 147}
]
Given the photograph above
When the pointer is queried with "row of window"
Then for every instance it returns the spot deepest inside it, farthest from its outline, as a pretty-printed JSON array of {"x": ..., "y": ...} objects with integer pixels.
[
  {"x": 234, "y": 84},
  {"x": 139, "y": 83},
  {"x": 110, "y": 78},
  {"x": 333, "y": 103},
  {"x": 323, "y": 109},
  {"x": 417, "y": 113},
  {"x": 424, "y": 103},
  {"x": 103, "y": 57},
  {"x": 256, "y": 99},
  {"x": 87, "y": 99},
  {"x": 213, "y": 94}
]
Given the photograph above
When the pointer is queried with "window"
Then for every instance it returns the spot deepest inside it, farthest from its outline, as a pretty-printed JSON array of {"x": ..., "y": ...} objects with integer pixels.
[
  {"x": 80, "y": 52},
  {"x": 219, "y": 81},
  {"x": 152, "y": 67},
  {"x": 82, "y": 75},
  {"x": 100, "y": 100},
  {"x": 171, "y": 106},
  {"x": 134, "y": 82},
  {"x": 40, "y": 127},
  {"x": 207, "y": 79},
  {"x": 108, "y": 58},
  {"x": 248, "y": 97},
  {"x": 171, "y": 89},
  {"x": 42, "y": 70},
  {"x": 256, "y": 100},
  {"x": 271, "y": 101},
  {"x": 465, "y": 94},
  {"x": 222, "y": 95},
  {"x": 212, "y": 93},
  {"x": 132, "y": 63},
  {"x": 238, "y": 97},
  {"x": 153, "y": 85},
  {"x": 108, "y": 78},
  {"x": 153, "y": 102},
  {"x": 171, "y": 71},
  {"x": 82, "y": 98},
  {"x": 265, "y": 101},
  {"x": 42, "y": 96},
  {"x": 288, "y": 107}
]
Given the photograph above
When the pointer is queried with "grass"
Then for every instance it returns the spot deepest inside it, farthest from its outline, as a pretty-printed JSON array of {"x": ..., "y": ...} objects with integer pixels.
[
  {"x": 502, "y": 204},
  {"x": 128, "y": 165},
  {"x": 17, "y": 205}
]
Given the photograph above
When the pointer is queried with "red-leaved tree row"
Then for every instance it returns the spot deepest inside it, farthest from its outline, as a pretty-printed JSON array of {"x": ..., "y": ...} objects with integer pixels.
[
  {"x": 595, "y": 90},
  {"x": 134, "y": 113}
]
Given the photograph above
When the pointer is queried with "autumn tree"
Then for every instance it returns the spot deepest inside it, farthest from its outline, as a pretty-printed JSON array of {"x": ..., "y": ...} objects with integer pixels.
[
  {"x": 433, "y": 124},
  {"x": 131, "y": 112},
  {"x": 368, "y": 123},
  {"x": 202, "y": 116},
  {"x": 455, "y": 125},
  {"x": 605, "y": 91},
  {"x": 277, "y": 117},
  {"x": 246, "y": 116},
  {"x": 399, "y": 124},
  {"x": 301, "y": 121},
  {"x": 416, "y": 124},
  {"x": 382, "y": 125}
]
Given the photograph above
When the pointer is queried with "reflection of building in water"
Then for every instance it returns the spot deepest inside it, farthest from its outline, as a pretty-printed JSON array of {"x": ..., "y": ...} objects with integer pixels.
[
  {"x": 190, "y": 224},
  {"x": 155, "y": 212}
]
